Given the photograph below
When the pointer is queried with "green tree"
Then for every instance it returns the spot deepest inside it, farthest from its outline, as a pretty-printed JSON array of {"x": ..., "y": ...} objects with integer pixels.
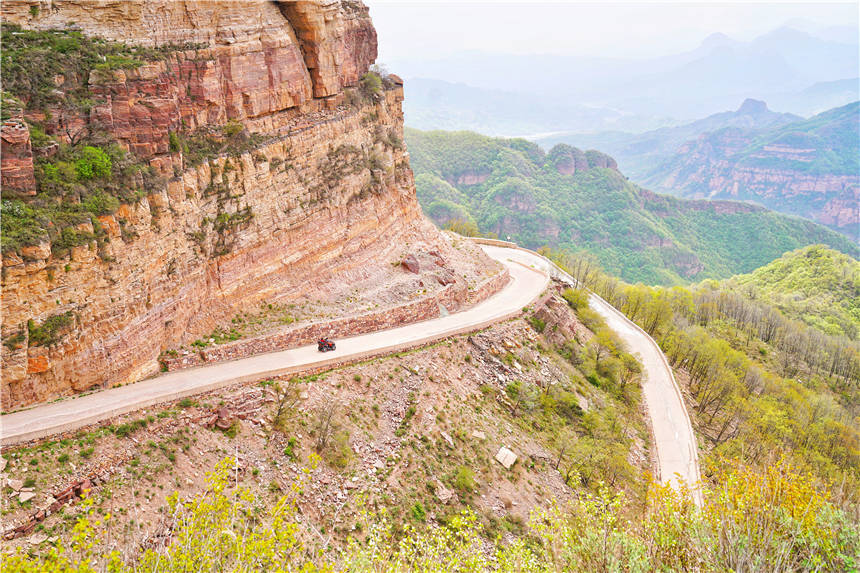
[{"x": 92, "y": 162}]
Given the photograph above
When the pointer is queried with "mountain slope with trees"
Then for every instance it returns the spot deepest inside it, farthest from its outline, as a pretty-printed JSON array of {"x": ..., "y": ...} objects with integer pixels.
[
  {"x": 763, "y": 389},
  {"x": 639, "y": 153},
  {"x": 579, "y": 201},
  {"x": 805, "y": 167},
  {"x": 815, "y": 284}
]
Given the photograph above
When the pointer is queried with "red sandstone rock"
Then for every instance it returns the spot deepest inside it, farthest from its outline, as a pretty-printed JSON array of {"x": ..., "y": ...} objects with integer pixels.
[
  {"x": 38, "y": 364},
  {"x": 16, "y": 159},
  {"x": 168, "y": 276},
  {"x": 446, "y": 278},
  {"x": 410, "y": 263}
]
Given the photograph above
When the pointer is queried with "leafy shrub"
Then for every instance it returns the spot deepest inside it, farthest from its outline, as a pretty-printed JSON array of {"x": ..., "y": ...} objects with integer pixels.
[
  {"x": 127, "y": 429},
  {"x": 175, "y": 144},
  {"x": 464, "y": 480},
  {"x": 418, "y": 512},
  {"x": 537, "y": 323},
  {"x": 370, "y": 84},
  {"x": 576, "y": 298},
  {"x": 290, "y": 450},
  {"x": 338, "y": 453},
  {"x": 591, "y": 319},
  {"x": 51, "y": 331},
  {"x": 92, "y": 162}
]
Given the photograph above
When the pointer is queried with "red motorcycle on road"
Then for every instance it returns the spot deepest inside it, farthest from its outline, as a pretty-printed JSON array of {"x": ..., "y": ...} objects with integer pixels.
[{"x": 324, "y": 345}]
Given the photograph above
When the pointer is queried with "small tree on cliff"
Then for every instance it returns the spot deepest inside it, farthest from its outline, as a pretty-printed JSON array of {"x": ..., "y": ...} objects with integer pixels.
[{"x": 371, "y": 84}]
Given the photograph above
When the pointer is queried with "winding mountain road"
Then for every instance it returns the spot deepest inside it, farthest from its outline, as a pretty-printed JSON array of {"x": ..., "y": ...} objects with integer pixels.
[
  {"x": 71, "y": 414},
  {"x": 675, "y": 441},
  {"x": 529, "y": 278}
]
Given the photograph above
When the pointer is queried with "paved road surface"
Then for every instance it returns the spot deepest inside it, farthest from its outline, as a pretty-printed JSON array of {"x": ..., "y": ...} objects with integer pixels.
[
  {"x": 675, "y": 441},
  {"x": 673, "y": 434},
  {"x": 74, "y": 413}
]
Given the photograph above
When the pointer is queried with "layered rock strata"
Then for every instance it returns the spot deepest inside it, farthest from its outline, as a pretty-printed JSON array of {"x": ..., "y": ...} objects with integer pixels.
[
  {"x": 325, "y": 197},
  {"x": 709, "y": 168}
]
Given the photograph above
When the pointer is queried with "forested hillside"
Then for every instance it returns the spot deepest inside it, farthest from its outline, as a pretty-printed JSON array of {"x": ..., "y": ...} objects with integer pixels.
[
  {"x": 579, "y": 201},
  {"x": 815, "y": 284},
  {"x": 763, "y": 389}
]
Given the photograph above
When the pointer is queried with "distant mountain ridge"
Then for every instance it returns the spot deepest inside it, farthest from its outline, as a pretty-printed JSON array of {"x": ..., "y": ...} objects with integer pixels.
[
  {"x": 578, "y": 200},
  {"x": 790, "y": 66},
  {"x": 637, "y": 154},
  {"x": 807, "y": 167}
]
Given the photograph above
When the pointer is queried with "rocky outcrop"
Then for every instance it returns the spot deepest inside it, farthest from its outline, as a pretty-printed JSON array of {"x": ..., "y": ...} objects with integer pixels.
[
  {"x": 324, "y": 197},
  {"x": 336, "y": 40},
  {"x": 16, "y": 163},
  {"x": 568, "y": 160}
]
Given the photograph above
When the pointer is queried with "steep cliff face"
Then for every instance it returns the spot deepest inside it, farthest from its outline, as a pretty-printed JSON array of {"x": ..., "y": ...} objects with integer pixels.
[
  {"x": 322, "y": 194},
  {"x": 706, "y": 168}
]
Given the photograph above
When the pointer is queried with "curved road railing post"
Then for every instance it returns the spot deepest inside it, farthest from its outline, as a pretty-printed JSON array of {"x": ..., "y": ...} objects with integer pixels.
[{"x": 693, "y": 473}]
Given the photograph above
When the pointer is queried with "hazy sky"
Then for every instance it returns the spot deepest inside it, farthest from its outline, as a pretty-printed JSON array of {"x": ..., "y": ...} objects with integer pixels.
[{"x": 424, "y": 29}]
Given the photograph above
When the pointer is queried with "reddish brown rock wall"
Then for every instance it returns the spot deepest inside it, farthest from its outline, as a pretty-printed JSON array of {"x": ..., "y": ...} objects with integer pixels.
[
  {"x": 327, "y": 199},
  {"x": 16, "y": 158}
]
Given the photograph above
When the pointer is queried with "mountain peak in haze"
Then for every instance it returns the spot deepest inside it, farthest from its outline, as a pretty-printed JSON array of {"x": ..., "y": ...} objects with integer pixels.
[
  {"x": 752, "y": 107},
  {"x": 715, "y": 40}
]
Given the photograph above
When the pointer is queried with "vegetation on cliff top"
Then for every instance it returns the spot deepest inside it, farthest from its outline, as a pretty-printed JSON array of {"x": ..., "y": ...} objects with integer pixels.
[
  {"x": 81, "y": 172},
  {"x": 815, "y": 284},
  {"x": 510, "y": 187},
  {"x": 35, "y": 63}
]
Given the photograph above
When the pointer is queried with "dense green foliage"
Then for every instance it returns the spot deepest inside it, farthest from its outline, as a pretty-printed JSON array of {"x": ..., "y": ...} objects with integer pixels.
[
  {"x": 74, "y": 186},
  {"x": 509, "y": 187},
  {"x": 815, "y": 284},
  {"x": 764, "y": 388}
]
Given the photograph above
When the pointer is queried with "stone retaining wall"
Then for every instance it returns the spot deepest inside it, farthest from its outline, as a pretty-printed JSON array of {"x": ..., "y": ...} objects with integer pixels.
[{"x": 453, "y": 297}]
